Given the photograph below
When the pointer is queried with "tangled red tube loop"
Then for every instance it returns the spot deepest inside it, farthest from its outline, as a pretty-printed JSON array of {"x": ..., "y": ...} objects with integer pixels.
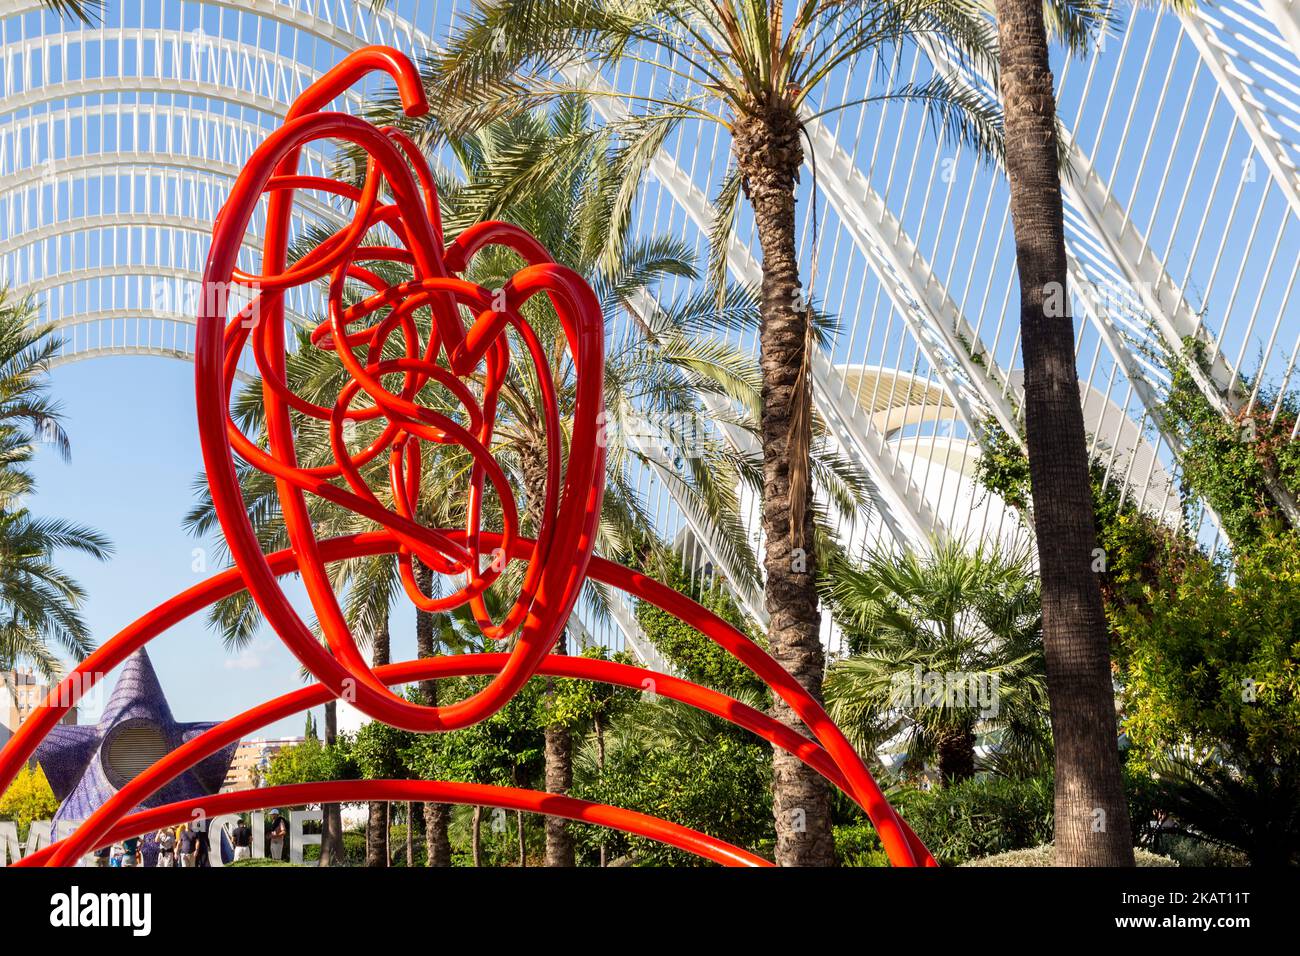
[{"x": 394, "y": 342}]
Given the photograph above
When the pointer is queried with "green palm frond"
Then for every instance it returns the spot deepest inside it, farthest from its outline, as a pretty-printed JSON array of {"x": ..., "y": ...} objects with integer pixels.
[
  {"x": 951, "y": 612},
  {"x": 87, "y": 11}
]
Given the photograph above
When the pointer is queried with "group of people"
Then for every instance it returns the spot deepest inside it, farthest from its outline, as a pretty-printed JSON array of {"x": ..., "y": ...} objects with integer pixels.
[{"x": 188, "y": 845}]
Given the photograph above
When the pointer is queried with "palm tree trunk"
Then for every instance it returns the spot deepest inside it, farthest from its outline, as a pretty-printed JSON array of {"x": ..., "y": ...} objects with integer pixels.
[
  {"x": 377, "y": 820},
  {"x": 437, "y": 816},
  {"x": 768, "y": 154},
  {"x": 559, "y": 744},
  {"x": 559, "y": 779},
  {"x": 476, "y": 836},
  {"x": 956, "y": 755},
  {"x": 1092, "y": 822},
  {"x": 598, "y": 726},
  {"x": 331, "y": 840},
  {"x": 410, "y": 834}
]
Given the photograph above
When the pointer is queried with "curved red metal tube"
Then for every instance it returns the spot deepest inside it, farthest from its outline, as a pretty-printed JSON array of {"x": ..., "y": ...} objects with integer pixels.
[
  {"x": 91, "y": 834},
  {"x": 389, "y": 360},
  {"x": 439, "y": 791},
  {"x": 170, "y": 613}
]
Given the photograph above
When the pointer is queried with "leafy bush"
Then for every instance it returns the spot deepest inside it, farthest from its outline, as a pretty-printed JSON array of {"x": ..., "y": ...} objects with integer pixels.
[
  {"x": 1045, "y": 856},
  {"x": 28, "y": 798},
  {"x": 260, "y": 862},
  {"x": 980, "y": 817},
  {"x": 1211, "y": 664},
  {"x": 697, "y": 657},
  {"x": 685, "y": 767},
  {"x": 354, "y": 850},
  {"x": 856, "y": 844},
  {"x": 397, "y": 846},
  {"x": 1189, "y": 851}
]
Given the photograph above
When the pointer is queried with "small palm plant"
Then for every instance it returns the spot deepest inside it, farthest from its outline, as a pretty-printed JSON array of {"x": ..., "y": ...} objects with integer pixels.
[{"x": 946, "y": 646}]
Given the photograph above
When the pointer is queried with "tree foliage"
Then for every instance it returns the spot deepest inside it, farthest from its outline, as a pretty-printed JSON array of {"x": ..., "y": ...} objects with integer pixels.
[
  {"x": 698, "y": 658},
  {"x": 310, "y": 762},
  {"x": 1235, "y": 466},
  {"x": 1213, "y": 662},
  {"x": 28, "y": 798}
]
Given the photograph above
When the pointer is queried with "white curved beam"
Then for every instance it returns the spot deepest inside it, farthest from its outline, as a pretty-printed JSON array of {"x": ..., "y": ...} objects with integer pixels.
[
  {"x": 211, "y": 47},
  {"x": 1199, "y": 25},
  {"x": 248, "y": 135},
  {"x": 143, "y": 162},
  {"x": 71, "y": 358},
  {"x": 41, "y": 231},
  {"x": 131, "y": 271}
]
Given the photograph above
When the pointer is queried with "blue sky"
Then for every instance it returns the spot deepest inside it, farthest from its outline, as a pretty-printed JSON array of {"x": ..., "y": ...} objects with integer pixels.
[{"x": 135, "y": 455}]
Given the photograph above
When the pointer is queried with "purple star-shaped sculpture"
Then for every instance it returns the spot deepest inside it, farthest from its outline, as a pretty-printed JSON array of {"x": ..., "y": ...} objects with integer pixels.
[{"x": 86, "y": 765}]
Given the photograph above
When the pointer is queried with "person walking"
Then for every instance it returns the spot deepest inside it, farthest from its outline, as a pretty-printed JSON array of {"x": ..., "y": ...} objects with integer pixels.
[
  {"x": 166, "y": 842},
  {"x": 186, "y": 846},
  {"x": 130, "y": 851},
  {"x": 202, "y": 845}
]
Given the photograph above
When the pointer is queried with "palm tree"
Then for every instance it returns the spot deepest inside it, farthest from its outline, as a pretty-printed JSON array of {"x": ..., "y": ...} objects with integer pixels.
[
  {"x": 944, "y": 643},
  {"x": 1092, "y": 820},
  {"x": 755, "y": 68},
  {"x": 39, "y": 603},
  {"x": 1227, "y": 802}
]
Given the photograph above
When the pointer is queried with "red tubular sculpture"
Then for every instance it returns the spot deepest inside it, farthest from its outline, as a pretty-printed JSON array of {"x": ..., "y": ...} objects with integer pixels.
[{"x": 556, "y": 562}]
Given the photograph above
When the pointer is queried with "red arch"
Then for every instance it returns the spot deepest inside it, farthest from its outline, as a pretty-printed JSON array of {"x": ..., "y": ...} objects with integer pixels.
[
  {"x": 430, "y": 791},
  {"x": 556, "y": 562},
  {"x": 137, "y": 634}
]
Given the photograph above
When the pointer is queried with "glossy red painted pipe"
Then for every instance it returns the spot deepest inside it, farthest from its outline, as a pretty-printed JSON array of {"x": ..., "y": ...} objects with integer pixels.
[
  {"x": 136, "y": 635},
  {"x": 438, "y": 791},
  {"x": 67, "y": 851}
]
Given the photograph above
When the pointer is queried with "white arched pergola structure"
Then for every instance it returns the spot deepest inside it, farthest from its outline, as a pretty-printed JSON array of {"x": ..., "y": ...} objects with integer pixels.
[{"x": 117, "y": 144}]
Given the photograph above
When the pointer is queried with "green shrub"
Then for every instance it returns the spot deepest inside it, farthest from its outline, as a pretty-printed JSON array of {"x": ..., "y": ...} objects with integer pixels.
[
  {"x": 1189, "y": 851},
  {"x": 980, "y": 817},
  {"x": 1044, "y": 856},
  {"x": 397, "y": 845},
  {"x": 262, "y": 862},
  {"x": 354, "y": 850},
  {"x": 857, "y": 844}
]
